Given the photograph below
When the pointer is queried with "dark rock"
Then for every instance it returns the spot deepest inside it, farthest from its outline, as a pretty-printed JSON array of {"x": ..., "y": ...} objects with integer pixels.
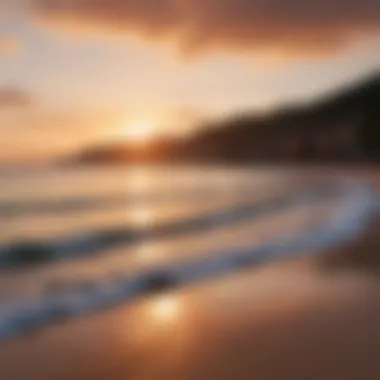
[
  {"x": 158, "y": 282},
  {"x": 29, "y": 253}
]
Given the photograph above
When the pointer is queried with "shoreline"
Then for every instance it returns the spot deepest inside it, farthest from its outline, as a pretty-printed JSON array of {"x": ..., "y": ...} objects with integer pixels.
[
  {"x": 90, "y": 298},
  {"x": 284, "y": 321}
]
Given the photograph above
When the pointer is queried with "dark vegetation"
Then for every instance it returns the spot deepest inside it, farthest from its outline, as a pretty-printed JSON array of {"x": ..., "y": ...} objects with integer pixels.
[{"x": 343, "y": 126}]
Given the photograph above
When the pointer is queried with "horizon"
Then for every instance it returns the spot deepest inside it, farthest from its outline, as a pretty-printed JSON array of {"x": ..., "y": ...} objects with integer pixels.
[{"x": 74, "y": 75}]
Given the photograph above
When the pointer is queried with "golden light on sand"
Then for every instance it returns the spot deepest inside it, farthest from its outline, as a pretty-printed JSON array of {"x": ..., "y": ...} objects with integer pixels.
[
  {"x": 162, "y": 317},
  {"x": 165, "y": 309}
]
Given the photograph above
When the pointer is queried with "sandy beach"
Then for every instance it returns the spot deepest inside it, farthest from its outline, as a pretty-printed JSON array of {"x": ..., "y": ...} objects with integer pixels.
[
  {"x": 315, "y": 318},
  {"x": 189, "y": 190}
]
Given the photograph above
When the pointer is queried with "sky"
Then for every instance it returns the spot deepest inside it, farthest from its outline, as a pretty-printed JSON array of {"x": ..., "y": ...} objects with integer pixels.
[{"x": 78, "y": 72}]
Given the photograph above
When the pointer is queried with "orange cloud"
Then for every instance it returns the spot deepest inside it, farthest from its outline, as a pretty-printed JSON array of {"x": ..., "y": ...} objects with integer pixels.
[
  {"x": 194, "y": 25},
  {"x": 13, "y": 97},
  {"x": 8, "y": 46}
]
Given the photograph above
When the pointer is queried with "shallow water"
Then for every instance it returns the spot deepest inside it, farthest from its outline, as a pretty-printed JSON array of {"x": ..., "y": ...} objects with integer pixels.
[{"x": 114, "y": 234}]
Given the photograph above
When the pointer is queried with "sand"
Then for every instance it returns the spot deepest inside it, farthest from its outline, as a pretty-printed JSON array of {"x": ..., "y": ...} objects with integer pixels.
[
  {"x": 312, "y": 319},
  {"x": 296, "y": 320}
]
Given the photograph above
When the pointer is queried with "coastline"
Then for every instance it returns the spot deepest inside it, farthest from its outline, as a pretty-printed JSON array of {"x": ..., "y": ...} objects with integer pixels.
[
  {"x": 285, "y": 320},
  {"x": 282, "y": 321},
  {"x": 313, "y": 317}
]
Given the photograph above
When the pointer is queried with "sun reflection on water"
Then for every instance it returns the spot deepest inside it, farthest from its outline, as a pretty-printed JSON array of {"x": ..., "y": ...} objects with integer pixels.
[
  {"x": 148, "y": 253},
  {"x": 142, "y": 215},
  {"x": 140, "y": 184},
  {"x": 140, "y": 181}
]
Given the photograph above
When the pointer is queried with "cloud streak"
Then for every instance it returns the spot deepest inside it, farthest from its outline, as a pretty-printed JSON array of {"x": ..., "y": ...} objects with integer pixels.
[
  {"x": 8, "y": 46},
  {"x": 196, "y": 25},
  {"x": 13, "y": 97}
]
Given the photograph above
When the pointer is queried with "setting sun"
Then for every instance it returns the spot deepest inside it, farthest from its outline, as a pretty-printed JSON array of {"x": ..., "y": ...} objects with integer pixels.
[{"x": 139, "y": 133}]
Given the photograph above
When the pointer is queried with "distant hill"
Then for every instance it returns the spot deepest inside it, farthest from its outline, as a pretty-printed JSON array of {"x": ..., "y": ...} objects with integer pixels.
[{"x": 342, "y": 126}]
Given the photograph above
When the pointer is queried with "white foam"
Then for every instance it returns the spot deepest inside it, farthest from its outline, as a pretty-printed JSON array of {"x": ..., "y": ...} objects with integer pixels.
[{"x": 355, "y": 205}]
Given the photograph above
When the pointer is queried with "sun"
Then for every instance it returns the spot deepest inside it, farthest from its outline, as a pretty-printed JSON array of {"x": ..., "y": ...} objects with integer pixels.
[{"x": 139, "y": 133}]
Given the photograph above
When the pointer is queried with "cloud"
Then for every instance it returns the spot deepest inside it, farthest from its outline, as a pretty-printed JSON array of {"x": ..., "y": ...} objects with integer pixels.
[
  {"x": 8, "y": 46},
  {"x": 310, "y": 26},
  {"x": 13, "y": 97},
  {"x": 41, "y": 132}
]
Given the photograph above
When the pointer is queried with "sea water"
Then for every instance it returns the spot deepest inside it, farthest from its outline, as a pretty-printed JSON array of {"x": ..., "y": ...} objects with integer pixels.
[{"x": 74, "y": 241}]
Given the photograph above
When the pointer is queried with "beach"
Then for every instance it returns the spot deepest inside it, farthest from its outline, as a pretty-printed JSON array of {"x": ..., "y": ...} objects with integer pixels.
[
  {"x": 283, "y": 322},
  {"x": 314, "y": 316},
  {"x": 189, "y": 190}
]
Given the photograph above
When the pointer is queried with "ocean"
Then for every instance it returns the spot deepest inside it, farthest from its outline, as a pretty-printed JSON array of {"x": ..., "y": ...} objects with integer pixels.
[{"x": 76, "y": 241}]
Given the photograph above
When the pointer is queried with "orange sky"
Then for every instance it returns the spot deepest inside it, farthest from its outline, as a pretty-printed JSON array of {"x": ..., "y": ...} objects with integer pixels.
[{"x": 77, "y": 72}]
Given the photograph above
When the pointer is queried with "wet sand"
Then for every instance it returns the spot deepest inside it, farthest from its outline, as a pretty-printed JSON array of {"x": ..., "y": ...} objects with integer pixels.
[
  {"x": 312, "y": 319},
  {"x": 309, "y": 319}
]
